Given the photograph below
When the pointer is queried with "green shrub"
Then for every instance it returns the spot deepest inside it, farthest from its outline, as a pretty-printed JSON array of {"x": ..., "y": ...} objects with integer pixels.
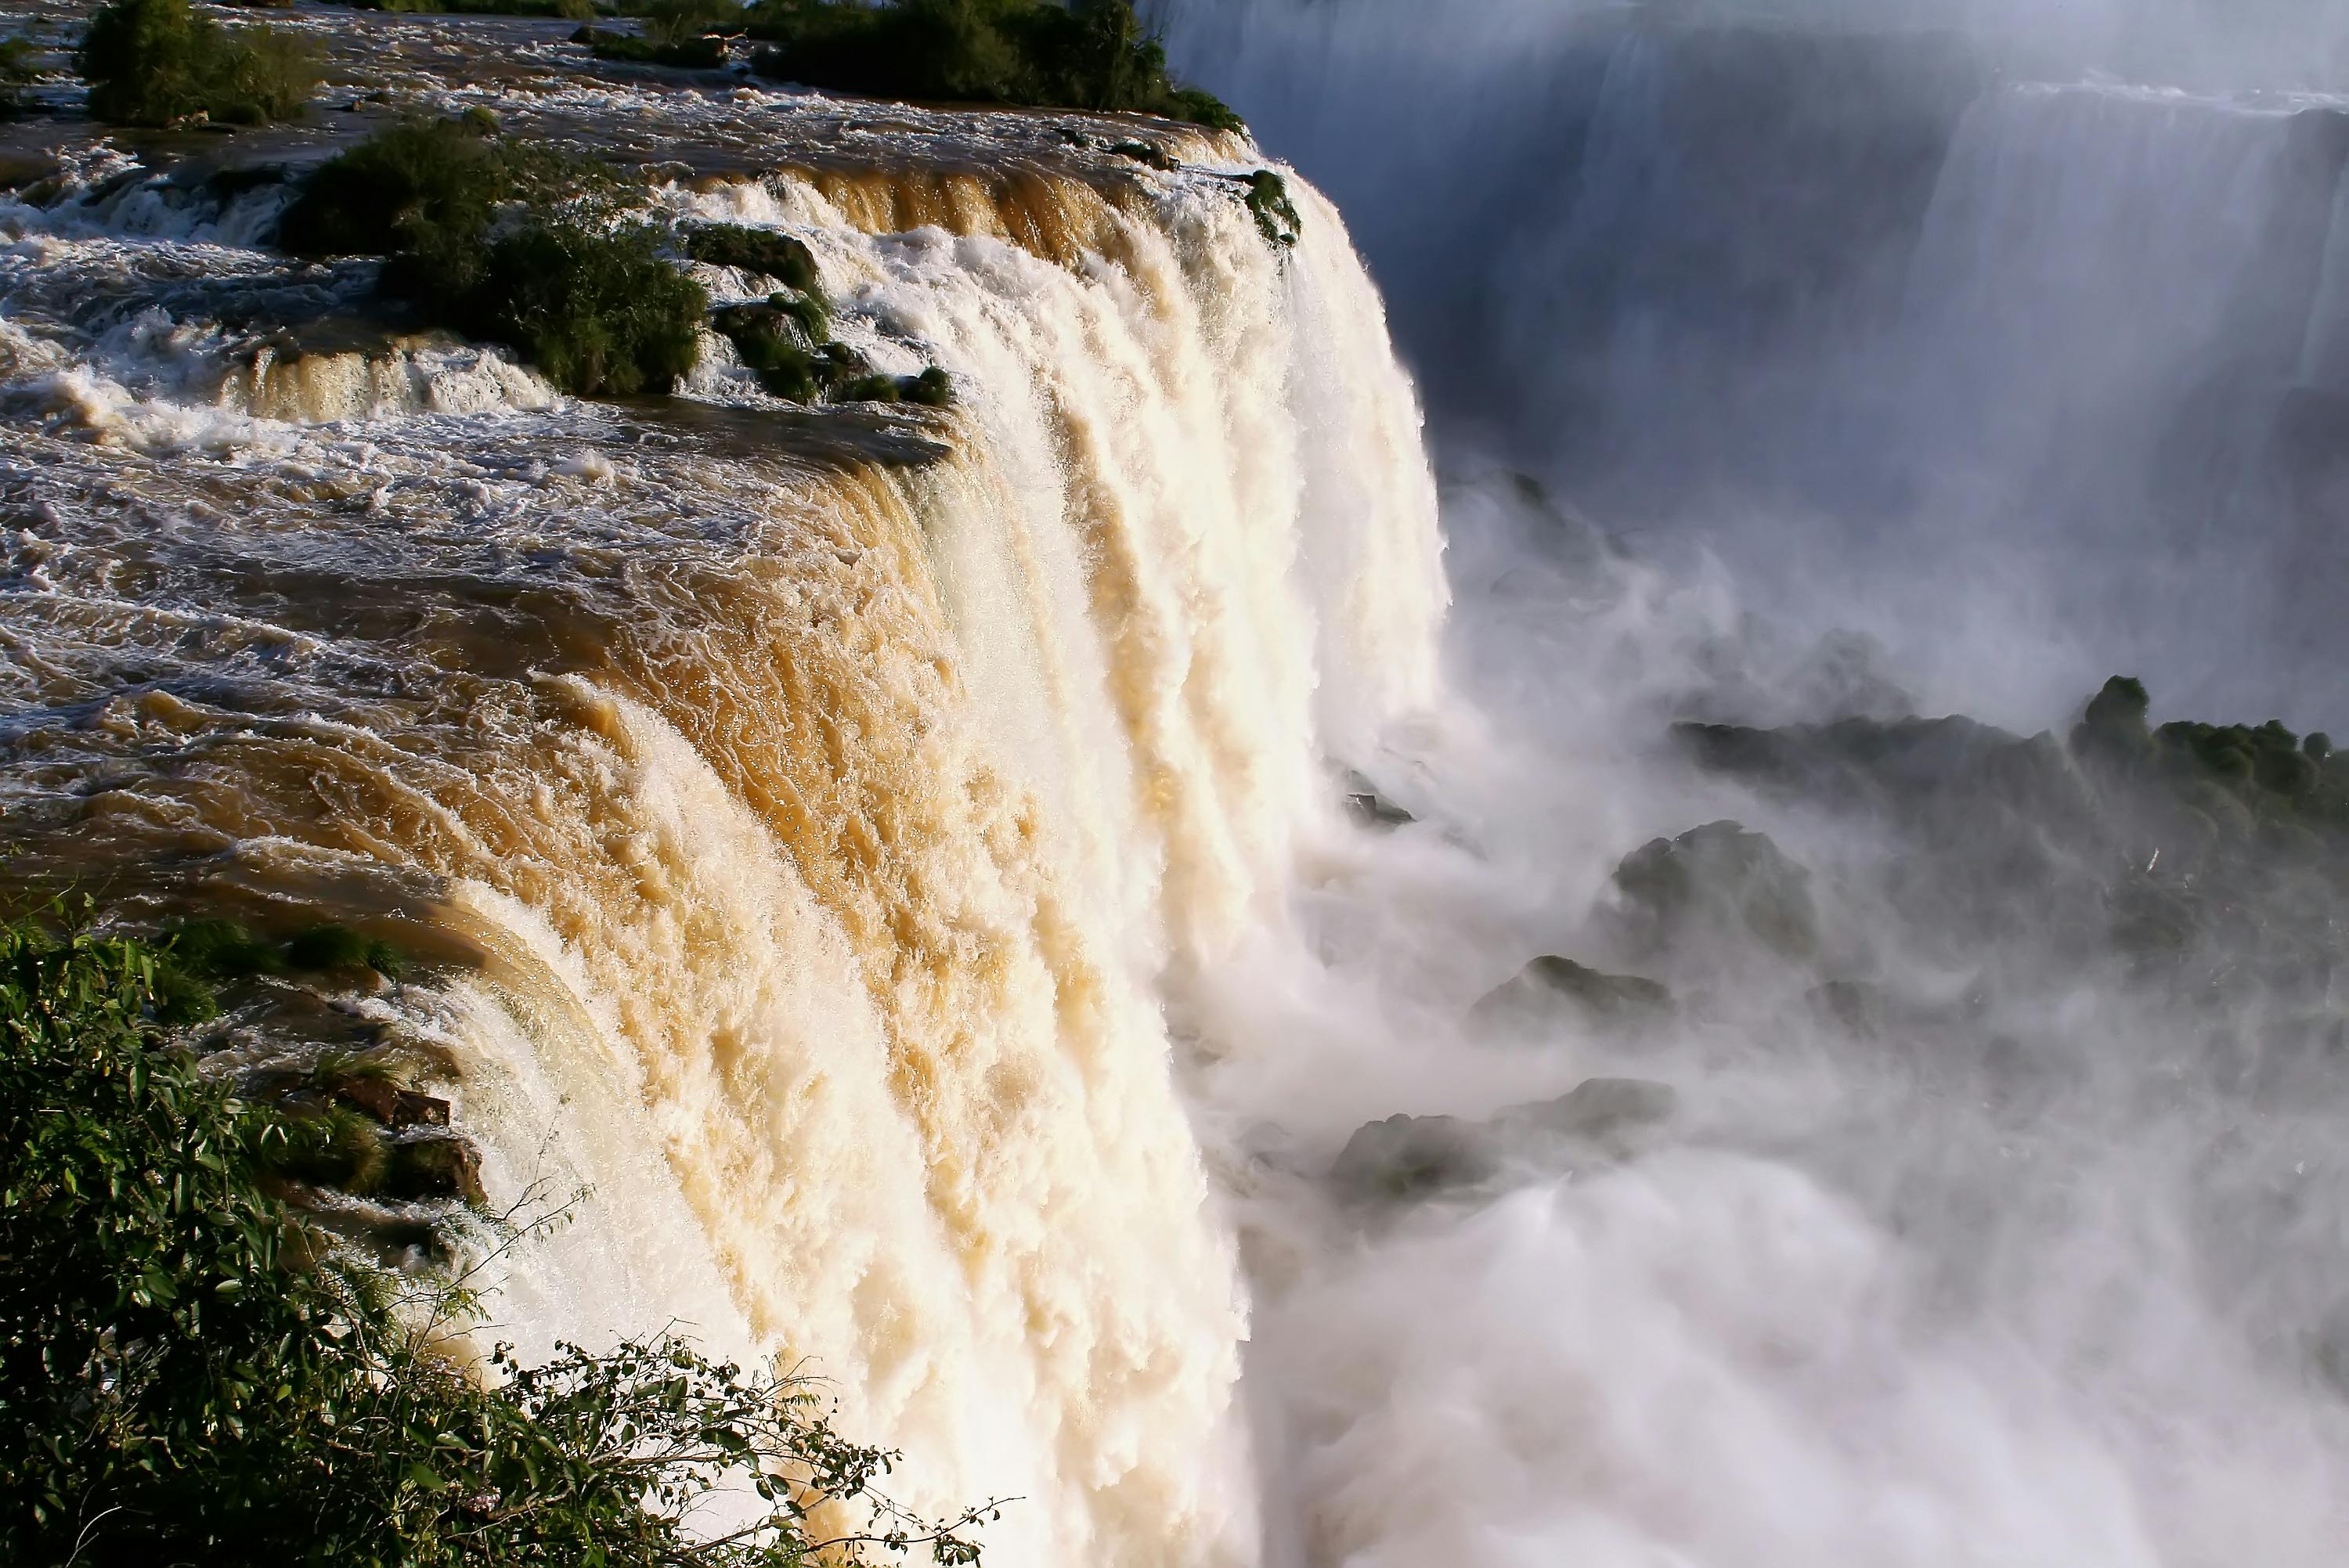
[
  {"x": 1089, "y": 54},
  {"x": 569, "y": 10},
  {"x": 20, "y": 67},
  {"x": 514, "y": 244},
  {"x": 703, "y": 54},
  {"x": 156, "y": 62},
  {"x": 191, "y": 1373},
  {"x": 596, "y": 311}
]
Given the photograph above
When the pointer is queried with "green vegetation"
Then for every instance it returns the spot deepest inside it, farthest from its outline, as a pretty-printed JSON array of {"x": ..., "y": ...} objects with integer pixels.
[
  {"x": 584, "y": 293},
  {"x": 159, "y": 63},
  {"x": 1087, "y": 54},
  {"x": 781, "y": 339},
  {"x": 694, "y": 54},
  {"x": 760, "y": 250},
  {"x": 1268, "y": 204},
  {"x": 20, "y": 67},
  {"x": 533, "y": 247},
  {"x": 192, "y": 1372},
  {"x": 568, "y": 10}
]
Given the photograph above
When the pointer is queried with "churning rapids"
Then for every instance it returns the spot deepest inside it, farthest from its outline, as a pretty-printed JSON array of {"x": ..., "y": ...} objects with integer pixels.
[{"x": 934, "y": 879}]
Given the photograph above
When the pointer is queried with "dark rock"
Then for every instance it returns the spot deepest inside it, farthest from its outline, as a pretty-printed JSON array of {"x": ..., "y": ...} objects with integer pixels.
[
  {"x": 1719, "y": 880},
  {"x": 1410, "y": 1157},
  {"x": 391, "y": 1105},
  {"x": 1601, "y": 1110},
  {"x": 1548, "y": 983},
  {"x": 423, "y": 1168},
  {"x": 1371, "y": 809}
]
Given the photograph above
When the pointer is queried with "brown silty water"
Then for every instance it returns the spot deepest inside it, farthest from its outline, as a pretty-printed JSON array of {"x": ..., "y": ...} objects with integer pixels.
[{"x": 793, "y": 814}]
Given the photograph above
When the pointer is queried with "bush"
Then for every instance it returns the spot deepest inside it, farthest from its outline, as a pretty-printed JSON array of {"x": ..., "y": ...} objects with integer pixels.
[
  {"x": 191, "y": 1374},
  {"x": 19, "y": 68},
  {"x": 1089, "y": 54},
  {"x": 702, "y": 54},
  {"x": 569, "y": 10},
  {"x": 596, "y": 311},
  {"x": 157, "y": 62},
  {"x": 586, "y": 297}
]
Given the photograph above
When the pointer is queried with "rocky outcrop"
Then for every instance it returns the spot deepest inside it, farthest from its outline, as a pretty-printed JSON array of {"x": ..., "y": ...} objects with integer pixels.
[
  {"x": 1551, "y": 989},
  {"x": 1408, "y": 1159}
]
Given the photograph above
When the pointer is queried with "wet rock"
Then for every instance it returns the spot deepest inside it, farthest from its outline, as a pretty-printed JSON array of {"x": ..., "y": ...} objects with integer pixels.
[
  {"x": 1550, "y": 986},
  {"x": 430, "y": 1167},
  {"x": 1715, "y": 882},
  {"x": 391, "y": 1105},
  {"x": 1406, "y": 1157},
  {"x": 1371, "y": 809},
  {"x": 1602, "y": 1110}
]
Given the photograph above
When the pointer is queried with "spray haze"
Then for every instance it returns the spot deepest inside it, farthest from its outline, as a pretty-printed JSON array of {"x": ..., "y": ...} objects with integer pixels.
[
  {"x": 1872, "y": 361},
  {"x": 1288, "y": 1011}
]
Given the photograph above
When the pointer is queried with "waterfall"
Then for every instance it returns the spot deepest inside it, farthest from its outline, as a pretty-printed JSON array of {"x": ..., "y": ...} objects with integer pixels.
[{"x": 816, "y": 844}]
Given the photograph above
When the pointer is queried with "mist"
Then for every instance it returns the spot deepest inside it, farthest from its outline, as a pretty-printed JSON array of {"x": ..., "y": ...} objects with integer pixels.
[
  {"x": 1802, "y": 374},
  {"x": 2008, "y": 335}
]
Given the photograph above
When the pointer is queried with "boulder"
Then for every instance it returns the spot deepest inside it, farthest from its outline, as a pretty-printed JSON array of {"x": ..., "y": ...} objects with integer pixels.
[
  {"x": 1550, "y": 986},
  {"x": 391, "y": 1105},
  {"x": 435, "y": 1167},
  {"x": 1719, "y": 881},
  {"x": 1405, "y": 1158}
]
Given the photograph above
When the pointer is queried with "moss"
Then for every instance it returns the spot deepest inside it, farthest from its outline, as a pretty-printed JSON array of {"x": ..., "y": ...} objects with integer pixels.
[
  {"x": 1268, "y": 204},
  {"x": 159, "y": 62},
  {"x": 771, "y": 341},
  {"x": 765, "y": 251},
  {"x": 933, "y": 389},
  {"x": 1087, "y": 54},
  {"x": 873, "y": 388}
]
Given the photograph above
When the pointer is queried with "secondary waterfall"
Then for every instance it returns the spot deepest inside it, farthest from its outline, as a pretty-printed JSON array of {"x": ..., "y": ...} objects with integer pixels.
[{"x": 818, "y": 820}]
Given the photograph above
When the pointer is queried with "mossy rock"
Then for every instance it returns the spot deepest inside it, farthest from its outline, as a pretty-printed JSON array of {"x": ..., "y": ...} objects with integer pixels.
[
  {"x": 766, "y": 252},
  {"x": 424, "y": 1169}
]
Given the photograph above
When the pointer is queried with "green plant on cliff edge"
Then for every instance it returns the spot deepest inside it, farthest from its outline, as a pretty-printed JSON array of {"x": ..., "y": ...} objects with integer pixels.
[
  {"x": 1087, "y": 54},
  {"x": 191, "y": 1373},
  {"x": 159, "y": 62},
  {"x": 509, "y": 242}
]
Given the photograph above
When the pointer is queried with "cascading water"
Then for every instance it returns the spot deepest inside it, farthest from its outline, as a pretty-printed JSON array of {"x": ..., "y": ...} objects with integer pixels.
[
  {"x": 891, "y": 860},
  {"x": 809, "y": 815}
]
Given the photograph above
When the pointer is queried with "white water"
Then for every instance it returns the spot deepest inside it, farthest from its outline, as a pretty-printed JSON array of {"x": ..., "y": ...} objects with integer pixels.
[
  {"x": 829, "y": 873},
  {"x": 912, "y": 903}
]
